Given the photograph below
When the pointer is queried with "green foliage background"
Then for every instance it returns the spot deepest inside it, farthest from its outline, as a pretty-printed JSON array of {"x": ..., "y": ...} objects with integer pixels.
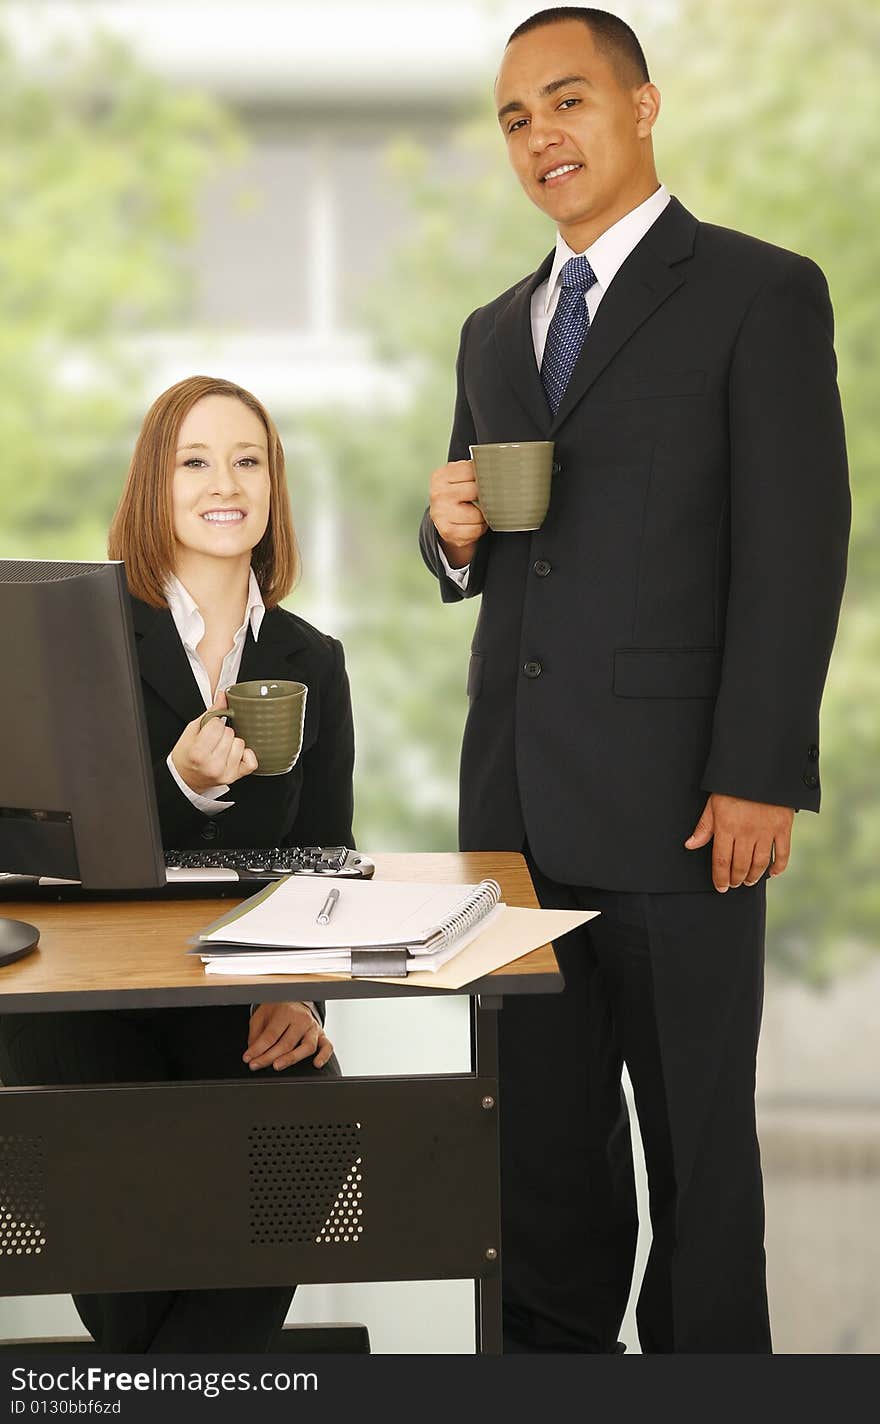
[
  {"x": 100, "y": 168},
  {"x": 768, "y": 125}
]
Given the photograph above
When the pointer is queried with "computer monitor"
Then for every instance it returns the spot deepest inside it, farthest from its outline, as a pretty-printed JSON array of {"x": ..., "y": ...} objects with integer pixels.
[{"x": 77, "y": 799}]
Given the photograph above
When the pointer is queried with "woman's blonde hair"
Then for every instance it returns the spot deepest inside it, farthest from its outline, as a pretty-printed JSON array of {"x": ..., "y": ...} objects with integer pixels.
[{"x": 142, "y": 532}]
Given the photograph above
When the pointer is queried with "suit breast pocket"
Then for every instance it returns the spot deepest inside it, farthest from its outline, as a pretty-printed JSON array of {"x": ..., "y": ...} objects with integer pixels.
[
  {"x": 654, "y": 385},
  {"x": 667, "y": 672}
]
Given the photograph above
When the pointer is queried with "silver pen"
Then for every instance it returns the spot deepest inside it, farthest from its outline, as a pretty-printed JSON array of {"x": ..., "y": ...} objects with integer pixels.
[{"x": 327, "y": 908}]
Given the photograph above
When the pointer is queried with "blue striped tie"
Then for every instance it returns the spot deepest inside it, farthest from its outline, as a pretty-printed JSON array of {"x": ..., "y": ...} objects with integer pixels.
[{"x": 570, "y": 324}]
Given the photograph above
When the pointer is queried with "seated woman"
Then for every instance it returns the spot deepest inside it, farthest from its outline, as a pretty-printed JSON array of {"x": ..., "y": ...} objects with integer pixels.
[{"x": 205, "y": 529}]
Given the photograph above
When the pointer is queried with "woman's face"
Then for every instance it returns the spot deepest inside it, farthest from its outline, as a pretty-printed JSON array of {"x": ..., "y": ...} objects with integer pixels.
[{"x": 220, "y": 488}]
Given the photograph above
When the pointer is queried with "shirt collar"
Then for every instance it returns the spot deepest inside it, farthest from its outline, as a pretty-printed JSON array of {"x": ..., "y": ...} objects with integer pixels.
[
  {"x": 191, "y": 625},
  {"x": 609, "y": 252}
]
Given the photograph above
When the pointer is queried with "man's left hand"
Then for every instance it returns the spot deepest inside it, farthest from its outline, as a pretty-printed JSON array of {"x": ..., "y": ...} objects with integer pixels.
[
  {"x": 748, "y": 837},
  {"x": 282, "y": 1034}
]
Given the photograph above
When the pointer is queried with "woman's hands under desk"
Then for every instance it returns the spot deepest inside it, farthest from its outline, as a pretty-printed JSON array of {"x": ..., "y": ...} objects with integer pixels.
[{"x": 283, "y": 1034}]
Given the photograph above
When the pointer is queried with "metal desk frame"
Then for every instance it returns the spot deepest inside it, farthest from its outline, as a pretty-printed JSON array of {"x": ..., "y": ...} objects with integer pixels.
[{"x": 246, "y": 1183}]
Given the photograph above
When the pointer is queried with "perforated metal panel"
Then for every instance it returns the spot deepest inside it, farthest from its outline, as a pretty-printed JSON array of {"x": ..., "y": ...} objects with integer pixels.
[
  {"x": 326, "y": 1180},
  {"x": 22, "y": 1195},
  {"x": 306, "y": 1184}
]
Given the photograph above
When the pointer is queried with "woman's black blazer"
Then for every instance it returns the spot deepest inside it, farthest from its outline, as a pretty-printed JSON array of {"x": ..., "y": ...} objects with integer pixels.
[{"x": 313, "y": 803}]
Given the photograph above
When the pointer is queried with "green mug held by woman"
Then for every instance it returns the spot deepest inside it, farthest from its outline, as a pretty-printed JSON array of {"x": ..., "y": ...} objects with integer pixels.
[{"x": 269, "y": 716}]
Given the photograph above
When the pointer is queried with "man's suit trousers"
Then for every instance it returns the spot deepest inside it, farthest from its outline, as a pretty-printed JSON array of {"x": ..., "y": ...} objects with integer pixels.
[{"x": 671, "y": 985}]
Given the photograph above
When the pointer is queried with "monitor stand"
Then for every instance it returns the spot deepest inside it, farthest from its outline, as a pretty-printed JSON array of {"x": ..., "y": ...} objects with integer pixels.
[{"x": 16, "y": 940}]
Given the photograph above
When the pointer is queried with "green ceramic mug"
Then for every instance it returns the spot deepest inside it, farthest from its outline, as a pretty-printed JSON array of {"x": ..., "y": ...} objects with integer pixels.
[
  {"x": 269, "y": 717},
  {"x": 513, "y": 483}
]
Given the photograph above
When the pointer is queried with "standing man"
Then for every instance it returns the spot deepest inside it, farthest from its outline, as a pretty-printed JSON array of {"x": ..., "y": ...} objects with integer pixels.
[{"x": 644, "y": 691}]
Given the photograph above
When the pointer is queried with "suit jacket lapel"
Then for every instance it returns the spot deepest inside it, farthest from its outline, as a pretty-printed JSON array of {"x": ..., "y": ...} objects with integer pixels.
[
  {"x": 164, "y": 664},
  {"x": 279, "y": 642},
  {"x": 516, "y": 350},
  {"x": 163, "y": 661},
  {"x": 643, "y": 283}
]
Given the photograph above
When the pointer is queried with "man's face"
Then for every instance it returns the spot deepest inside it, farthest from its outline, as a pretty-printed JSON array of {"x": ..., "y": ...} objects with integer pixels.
[{"x": 578, "y": 140}]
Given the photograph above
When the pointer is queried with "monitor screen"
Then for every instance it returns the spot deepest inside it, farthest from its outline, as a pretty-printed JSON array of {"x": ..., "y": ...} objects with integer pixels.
[{"x": 77, "y": 799}]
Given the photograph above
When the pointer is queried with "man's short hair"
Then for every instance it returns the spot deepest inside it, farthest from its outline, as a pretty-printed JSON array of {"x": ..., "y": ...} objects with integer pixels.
[{"x": 613, "y": 38}]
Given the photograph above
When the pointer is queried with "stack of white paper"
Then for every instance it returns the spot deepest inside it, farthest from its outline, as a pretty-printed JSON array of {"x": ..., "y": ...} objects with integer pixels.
[{"x": 277, "y": 931}]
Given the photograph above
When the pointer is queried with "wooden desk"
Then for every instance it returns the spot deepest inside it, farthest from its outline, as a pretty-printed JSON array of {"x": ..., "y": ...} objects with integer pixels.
[
  {"x": 131, "y": 954},
  {"x": 186, "y": 1185}
]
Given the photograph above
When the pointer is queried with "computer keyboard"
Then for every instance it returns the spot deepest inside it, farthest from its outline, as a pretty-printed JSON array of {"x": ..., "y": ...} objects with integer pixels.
[
  {"x": 269, "y": 864},
  {"x": 206, "y": 873}
]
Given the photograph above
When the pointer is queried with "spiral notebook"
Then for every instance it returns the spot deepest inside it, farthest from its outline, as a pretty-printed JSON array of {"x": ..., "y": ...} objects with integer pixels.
[{"x": 377, "y": 926}]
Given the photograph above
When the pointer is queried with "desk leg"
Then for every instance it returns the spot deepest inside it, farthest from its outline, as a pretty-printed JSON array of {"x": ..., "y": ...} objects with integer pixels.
[{"x": 484, "y": 1062}]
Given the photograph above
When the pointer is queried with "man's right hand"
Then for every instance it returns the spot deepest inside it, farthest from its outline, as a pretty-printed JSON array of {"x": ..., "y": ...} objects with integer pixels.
[
  {"x": 211, "y": 755},
  {"x": 456, "y": 517}
]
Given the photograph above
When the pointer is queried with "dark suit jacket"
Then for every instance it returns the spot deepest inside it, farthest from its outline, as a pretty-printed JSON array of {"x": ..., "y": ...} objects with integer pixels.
[
  {"x": 666, "y": 633},
  {"x": 312, "y": 804}
]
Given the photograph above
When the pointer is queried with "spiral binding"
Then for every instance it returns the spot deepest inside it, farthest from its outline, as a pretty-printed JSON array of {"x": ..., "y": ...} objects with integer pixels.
[{"x": 469, "y": 913}]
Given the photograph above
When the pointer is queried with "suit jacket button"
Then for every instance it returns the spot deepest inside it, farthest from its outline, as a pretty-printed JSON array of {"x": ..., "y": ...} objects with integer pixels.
[
  {"x": 813, "y": 753},
  {"x": 541, "y": 567},
  {"x": 810, "y": 778},
  {"x": 557, "y": 468},
  {"x": 532, "y": 669},
  {"x": 210, "y": 832}
]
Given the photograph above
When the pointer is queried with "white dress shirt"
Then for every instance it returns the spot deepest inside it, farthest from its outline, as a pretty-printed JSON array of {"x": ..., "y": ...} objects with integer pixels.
[
  {"x": 190, "y": 626},
  {"x": 606, "y": 256}
]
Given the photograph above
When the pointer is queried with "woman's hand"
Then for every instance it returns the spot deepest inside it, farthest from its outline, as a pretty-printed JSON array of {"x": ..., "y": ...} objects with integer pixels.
[
  {"x": 211, "y": 755},
  {"x": 282, "y": 1034}
]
